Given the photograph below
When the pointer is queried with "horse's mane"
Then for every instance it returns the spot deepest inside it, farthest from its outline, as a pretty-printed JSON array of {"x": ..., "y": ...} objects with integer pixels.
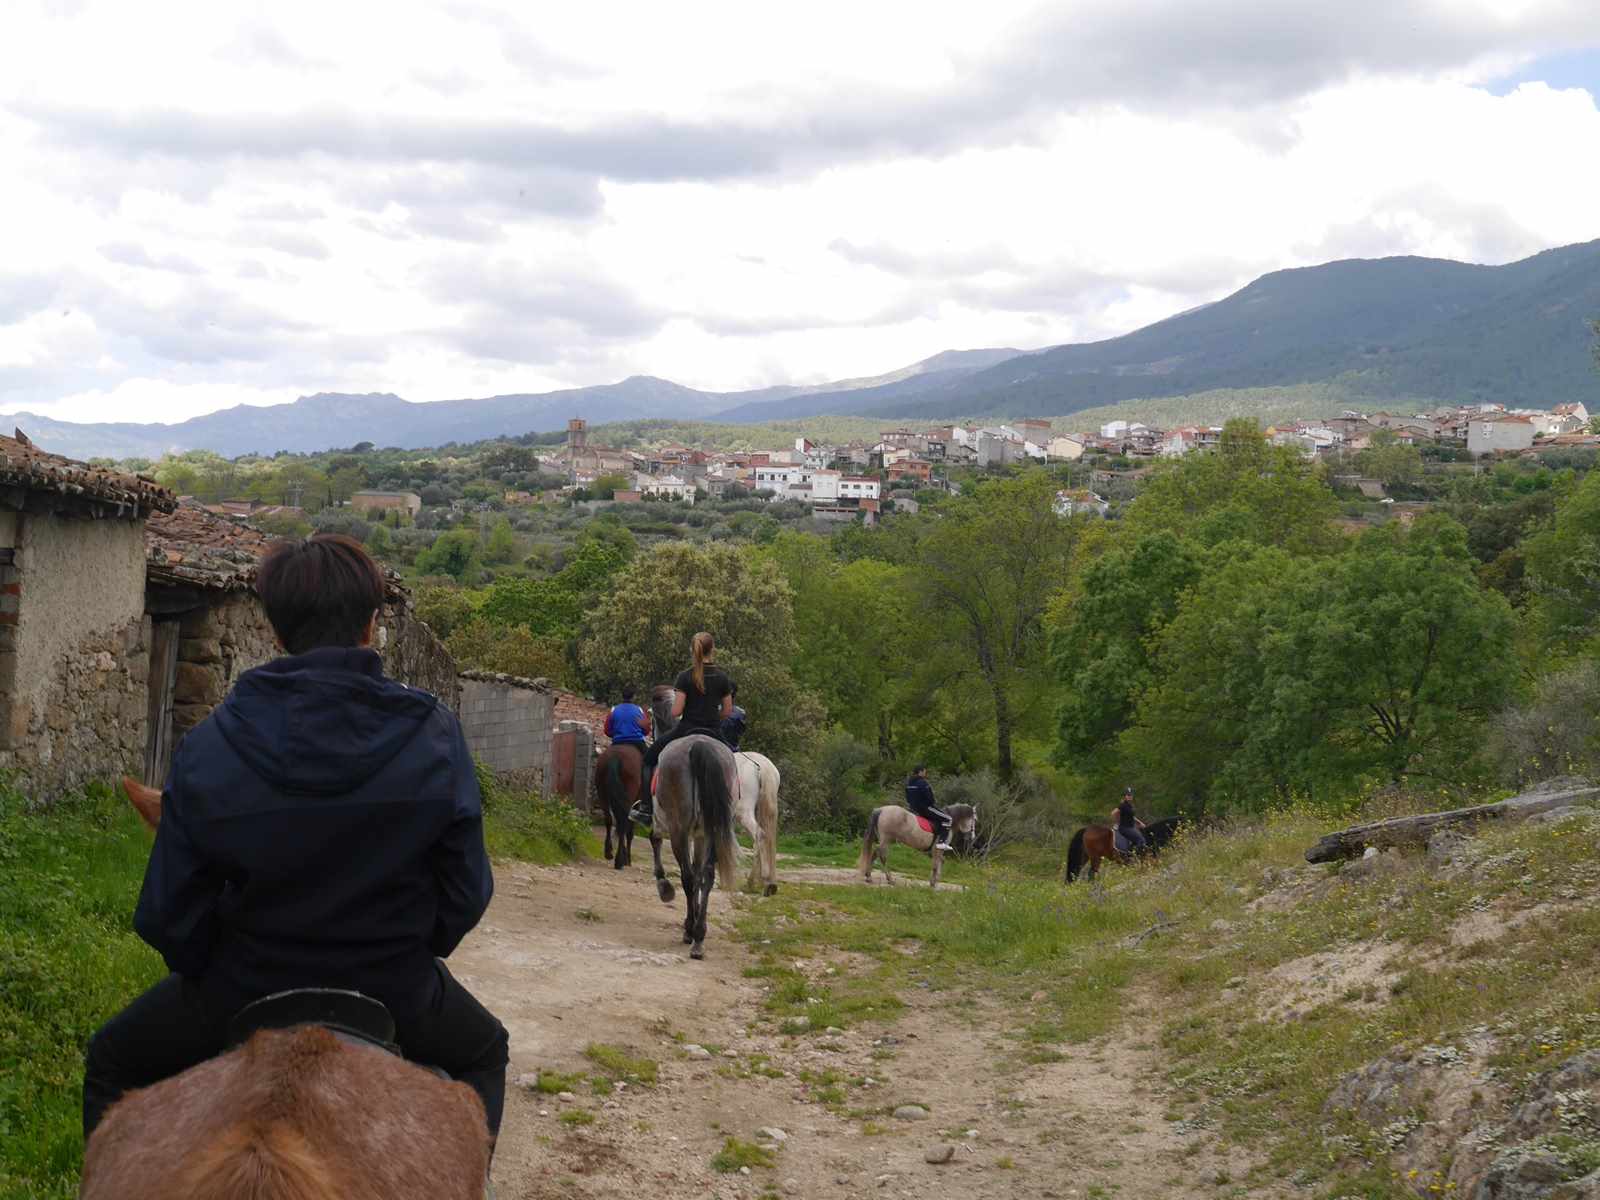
[{"x": 957, "y": 811}]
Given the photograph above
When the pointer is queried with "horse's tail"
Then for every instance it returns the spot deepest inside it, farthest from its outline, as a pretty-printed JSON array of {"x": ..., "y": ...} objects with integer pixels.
[
  {"x": 259, "y": 1158},
  {"x": 865, "y": 863},
  {"x": 716, "y": 809},
  {"x": 1075, "y": 856},
  {"x": 613, "y": 796}
]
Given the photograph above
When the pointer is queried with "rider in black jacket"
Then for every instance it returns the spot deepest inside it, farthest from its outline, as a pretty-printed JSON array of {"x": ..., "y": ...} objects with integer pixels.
[
  {"x": 919, "y": 799},
  {"x": 322, "y": 828}
]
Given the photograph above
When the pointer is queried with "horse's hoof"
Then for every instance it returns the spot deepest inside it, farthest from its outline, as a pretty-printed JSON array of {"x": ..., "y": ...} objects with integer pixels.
[
  {"x": 696, "y": 950},
  {"x": 619, "y": 864},
  {"x": 664, "y": 890},
  {"x": 772, "y": 889}
]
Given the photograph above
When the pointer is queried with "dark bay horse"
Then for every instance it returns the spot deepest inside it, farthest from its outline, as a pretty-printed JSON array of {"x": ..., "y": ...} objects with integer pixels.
[
  {"x": 1093, "y": 843},
  {"x": 617, "y": 774}
]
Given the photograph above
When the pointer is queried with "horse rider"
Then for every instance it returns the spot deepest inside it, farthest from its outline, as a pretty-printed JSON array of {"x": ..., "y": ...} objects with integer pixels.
[
  {"x": 322, "y": 828},
  {"x": 702, "y": 699},
  {"x": 733, "y": 725},
  {"x": 1128, "y": 826},
  {"x": 919, "y": 799},
  {"x": 627, "y": 724}
]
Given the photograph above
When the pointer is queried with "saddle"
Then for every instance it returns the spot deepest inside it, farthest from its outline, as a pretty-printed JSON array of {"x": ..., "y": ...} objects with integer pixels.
[
  {"x": 925, "y": 824},
  {"x": 1122, "y": 844},
  {"x": 350, "y": 1015}
]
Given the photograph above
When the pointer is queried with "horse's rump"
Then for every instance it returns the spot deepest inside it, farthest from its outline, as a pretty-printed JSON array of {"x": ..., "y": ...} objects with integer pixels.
[{"x": 293, "y": 1114}]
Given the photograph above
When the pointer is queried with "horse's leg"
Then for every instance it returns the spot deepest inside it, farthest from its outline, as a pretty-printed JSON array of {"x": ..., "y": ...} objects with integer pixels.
[
  {"x": 605, "y": 807},
  {"x": 706, "y": 869},
  {"x": 683, "y": 851},
  {"x": 767, "y": 819},
  {"x": 663, "y": 884},
  {"x": 747, "y": 818},
  {"x": 883, "y": 861},
  {"x": 938, "y": 862}
]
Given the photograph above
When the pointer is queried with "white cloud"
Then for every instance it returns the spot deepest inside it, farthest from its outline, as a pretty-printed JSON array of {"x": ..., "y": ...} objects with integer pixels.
[{"x": 244, "y": 205}]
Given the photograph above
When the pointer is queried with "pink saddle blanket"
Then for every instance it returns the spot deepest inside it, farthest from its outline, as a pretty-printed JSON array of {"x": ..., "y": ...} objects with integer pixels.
[{"x": 927, "y": 825}]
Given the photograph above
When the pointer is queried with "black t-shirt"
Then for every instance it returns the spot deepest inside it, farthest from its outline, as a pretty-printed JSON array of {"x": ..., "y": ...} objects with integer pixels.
[
  {"x": 1125, "y": 814},
  {"x": 703, "y": 710}
]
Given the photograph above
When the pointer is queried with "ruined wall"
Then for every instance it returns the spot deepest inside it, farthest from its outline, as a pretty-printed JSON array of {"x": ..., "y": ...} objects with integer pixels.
[
  {"x": 508, "y": 722},
  {"x": 74, "y": 651},
  {"x": 416, "y": 657},
  {"x": 218, "y": 644}
]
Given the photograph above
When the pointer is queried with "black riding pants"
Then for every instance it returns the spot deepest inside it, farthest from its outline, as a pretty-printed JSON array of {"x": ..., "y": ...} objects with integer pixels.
[
  {"x": 941, "y": 823},
  {"x": 1134, "y": 836},
  {"x": 173, "y": 1027}
]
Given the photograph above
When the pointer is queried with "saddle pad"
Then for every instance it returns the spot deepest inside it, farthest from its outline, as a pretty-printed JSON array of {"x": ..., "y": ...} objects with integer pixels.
[
  {"x": 655, "y": 782},
  {"x": 1122, "y": 844},
  {"x": 927, "y": 825}
]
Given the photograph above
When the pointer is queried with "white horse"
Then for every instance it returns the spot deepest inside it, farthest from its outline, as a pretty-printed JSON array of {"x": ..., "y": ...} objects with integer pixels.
[{"x": 757, "y": 810}]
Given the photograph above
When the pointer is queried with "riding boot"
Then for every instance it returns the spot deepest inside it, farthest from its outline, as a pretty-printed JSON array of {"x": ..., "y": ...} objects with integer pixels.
[{"x": 643, "y": 812}]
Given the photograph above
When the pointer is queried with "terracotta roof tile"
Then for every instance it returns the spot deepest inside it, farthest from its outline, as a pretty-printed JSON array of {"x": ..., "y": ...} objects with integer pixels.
[{"x": 24, "y": 465}]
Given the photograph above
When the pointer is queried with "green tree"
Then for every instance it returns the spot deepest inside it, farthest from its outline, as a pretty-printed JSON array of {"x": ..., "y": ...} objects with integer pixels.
[
  {"x": 1563, "y": 567},
  {"x": 640, "y": 629},
  {"x": 501, "y": 546},
  {"x": 554, "y": 606},
  {"x": 487, "y": 646},
  {"x": 1100, "y": 653},
  {"x": 986, "y": 565},
  {"x": 1245, "y": 489},
  {"x": 445, "y": 609},
  {"x": 454, "y": 553},
  {"x": 378, "y": 540},
  {"x": 345, "y": 482},
  {"x": 1390, "y": 461},
  {"x": 1281, "y": 676}
]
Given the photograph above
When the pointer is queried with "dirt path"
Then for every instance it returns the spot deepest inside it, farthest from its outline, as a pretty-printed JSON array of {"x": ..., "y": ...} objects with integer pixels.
[{"x": 570, "y": 956}]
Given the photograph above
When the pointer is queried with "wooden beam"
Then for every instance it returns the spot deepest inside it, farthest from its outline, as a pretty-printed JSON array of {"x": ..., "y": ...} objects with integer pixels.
[
  {"x": 1415, "y": 831},
  {"x": 163, "y": 680}
]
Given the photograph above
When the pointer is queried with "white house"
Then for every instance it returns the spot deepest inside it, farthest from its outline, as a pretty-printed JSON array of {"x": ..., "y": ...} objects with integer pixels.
[
  {"x": 859, "y": 487},
  {"x": 825, "y": 486},
  {"x": 668, "y": 487},
  {"x": 1070, "y": 504},
  {"x": 1498, "y": 431},
  {"x": 1114, "y": 429}
]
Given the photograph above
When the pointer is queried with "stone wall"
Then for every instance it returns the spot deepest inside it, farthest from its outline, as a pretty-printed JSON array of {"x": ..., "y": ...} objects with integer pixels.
[
  {"x": 416, "y": 657},
  {"x": 508, "y": 722},
  {"x": 74, "y": 651},
  {"x": 218, "y": 643}
]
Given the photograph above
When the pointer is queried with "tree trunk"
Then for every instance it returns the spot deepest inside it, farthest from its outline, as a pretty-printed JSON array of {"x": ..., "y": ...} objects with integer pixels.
[
  {"x": 1002, "y": 731},
  {"x": 1415, "y": 831}
]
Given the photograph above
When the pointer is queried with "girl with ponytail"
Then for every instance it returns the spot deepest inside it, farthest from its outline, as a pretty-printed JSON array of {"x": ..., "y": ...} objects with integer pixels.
[{"x": 704, "y": 696}]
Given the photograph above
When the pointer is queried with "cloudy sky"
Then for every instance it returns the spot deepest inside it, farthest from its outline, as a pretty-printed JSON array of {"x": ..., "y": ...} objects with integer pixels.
[{"x": 213, "y": 203}]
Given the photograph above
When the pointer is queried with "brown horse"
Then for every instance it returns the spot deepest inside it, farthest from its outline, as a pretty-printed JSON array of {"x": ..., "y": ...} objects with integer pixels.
[
  {"x": 297, "y": 1114},
  {"x": 617, "y": 774},
  {"x": 1094, "y": 843}
]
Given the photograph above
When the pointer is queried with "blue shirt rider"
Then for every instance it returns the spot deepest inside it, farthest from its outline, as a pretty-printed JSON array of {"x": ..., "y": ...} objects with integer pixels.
[
  {"x": 627, "y": 724},
  {"x": 919, "y": 799}
]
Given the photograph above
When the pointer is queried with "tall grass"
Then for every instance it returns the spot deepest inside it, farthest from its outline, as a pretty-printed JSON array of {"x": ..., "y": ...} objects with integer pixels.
[{"x": 69, "y": 878}]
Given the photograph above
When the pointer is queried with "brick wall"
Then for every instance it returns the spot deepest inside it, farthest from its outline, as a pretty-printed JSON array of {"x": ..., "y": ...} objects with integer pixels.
[{"x": 508, "y": 722}]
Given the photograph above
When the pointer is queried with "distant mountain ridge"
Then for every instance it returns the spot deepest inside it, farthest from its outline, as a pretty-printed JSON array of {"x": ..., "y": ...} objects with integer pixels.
[{"x": 1390, "y": 332}]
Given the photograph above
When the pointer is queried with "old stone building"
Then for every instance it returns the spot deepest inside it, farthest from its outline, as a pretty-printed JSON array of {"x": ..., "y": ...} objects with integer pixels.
[
  {"x": 74, "y": 637},
  {"x": 208, "y": 626}
]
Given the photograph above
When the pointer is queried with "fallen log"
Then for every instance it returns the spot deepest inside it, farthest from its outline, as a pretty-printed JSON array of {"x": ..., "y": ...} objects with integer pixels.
[{"x": 1415, "y": 831}]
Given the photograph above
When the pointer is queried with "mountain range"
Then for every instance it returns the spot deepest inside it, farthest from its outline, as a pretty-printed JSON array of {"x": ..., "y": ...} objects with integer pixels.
[{"x": 1398, "y": 332}]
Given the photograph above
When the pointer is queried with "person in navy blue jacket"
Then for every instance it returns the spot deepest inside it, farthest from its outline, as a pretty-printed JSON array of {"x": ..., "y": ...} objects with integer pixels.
[{"x": 322, "y": 828}]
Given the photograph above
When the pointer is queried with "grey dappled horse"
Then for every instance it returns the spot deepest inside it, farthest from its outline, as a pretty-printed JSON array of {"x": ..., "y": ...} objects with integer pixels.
[
  {"x": 696, "y": 785},
  {"x": 892, "y": 823}
]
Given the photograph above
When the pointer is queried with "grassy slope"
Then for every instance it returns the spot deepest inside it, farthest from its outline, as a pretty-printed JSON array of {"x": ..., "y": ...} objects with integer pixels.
[
  {"x": 69, "y": 959},
  {"x": 1241, "y": 1071}
]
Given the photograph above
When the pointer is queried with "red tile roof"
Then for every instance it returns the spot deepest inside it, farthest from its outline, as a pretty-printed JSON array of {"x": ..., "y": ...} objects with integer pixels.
[{"x": 24, "y": 465}]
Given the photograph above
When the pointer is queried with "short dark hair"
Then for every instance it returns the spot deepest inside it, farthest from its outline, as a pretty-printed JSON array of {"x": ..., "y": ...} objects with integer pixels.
[
  {"x": 918, "y": 769},
  {"x": 319, "y": 591},
  {"x": 733, "y": 688},
  {"x": 627, "y": 693}
]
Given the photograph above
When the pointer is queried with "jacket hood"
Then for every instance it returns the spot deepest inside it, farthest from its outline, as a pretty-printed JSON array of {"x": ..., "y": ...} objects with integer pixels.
[{"x": 321, "y": 721}]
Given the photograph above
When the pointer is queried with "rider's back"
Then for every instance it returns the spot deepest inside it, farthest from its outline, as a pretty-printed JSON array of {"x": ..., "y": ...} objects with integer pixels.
[{"x": 338, "y": 813}]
